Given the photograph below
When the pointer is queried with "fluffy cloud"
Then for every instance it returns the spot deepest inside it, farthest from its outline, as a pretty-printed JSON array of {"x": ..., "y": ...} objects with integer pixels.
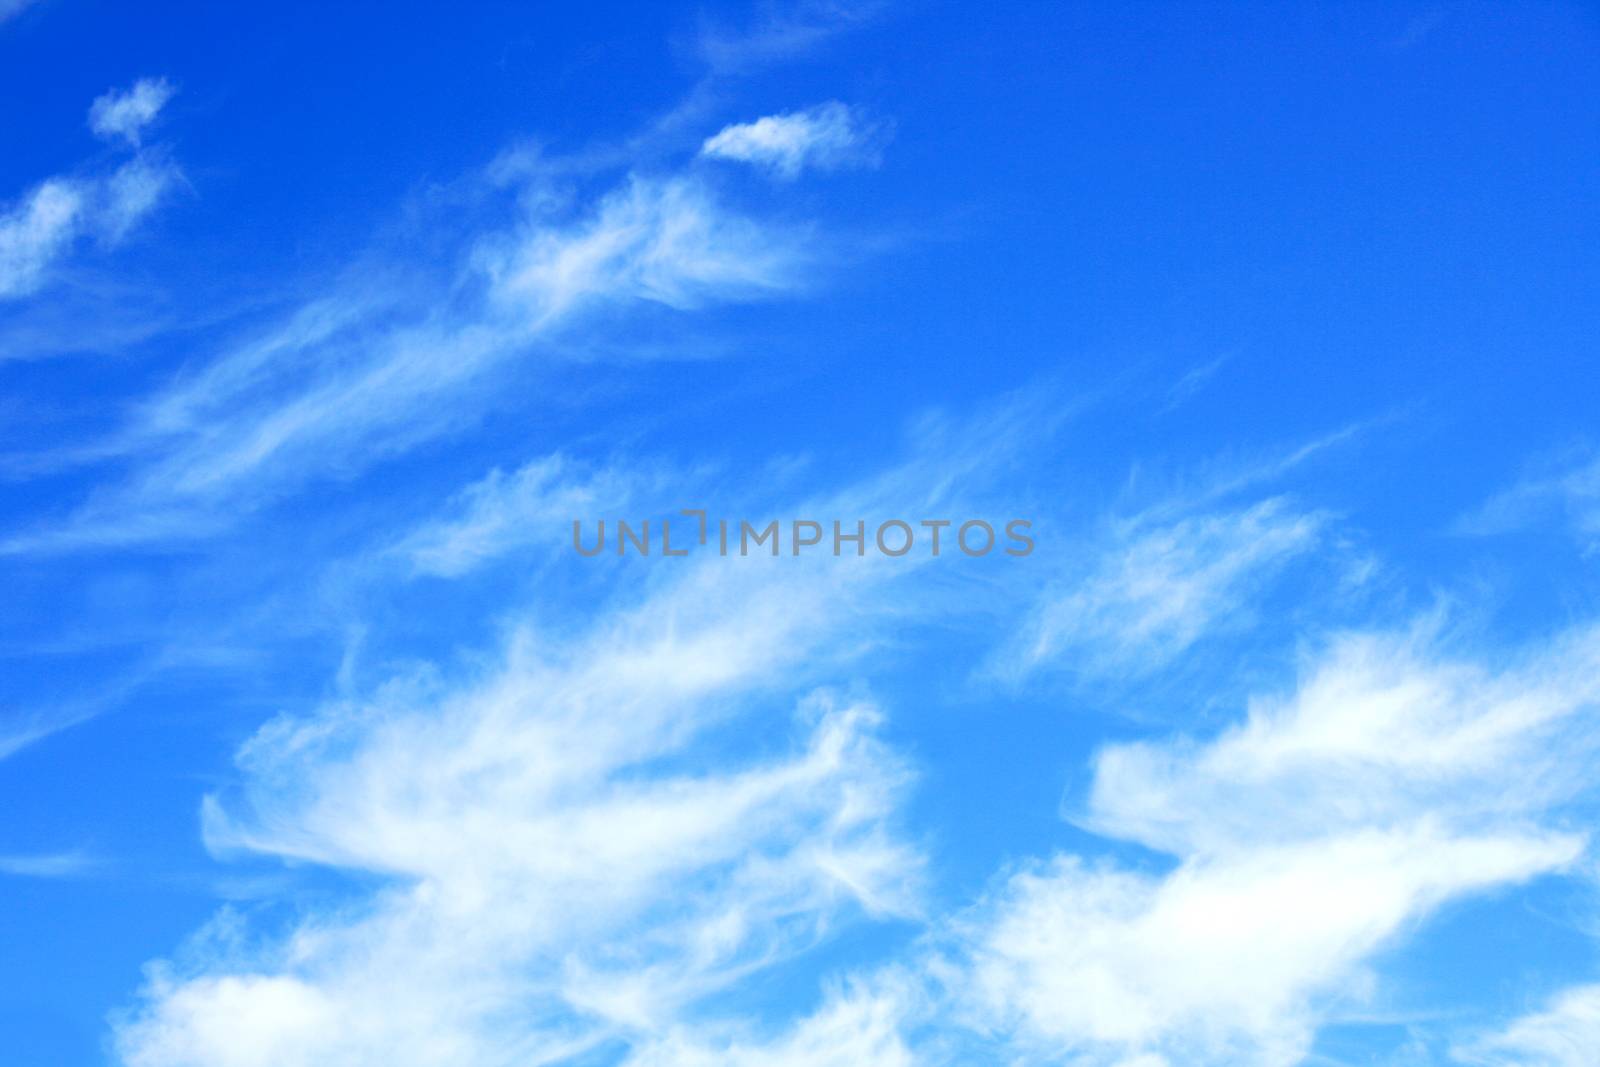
[{"x": 825, "y": 137}]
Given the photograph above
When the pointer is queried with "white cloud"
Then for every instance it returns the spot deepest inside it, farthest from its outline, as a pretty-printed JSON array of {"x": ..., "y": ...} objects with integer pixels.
[
  {"x": 35, "y": 232},
  {"x": 1564, "y": 1034},
  {"x": 1305, "y": 839},
  {"x": 124, "y": 115},
  {"x": 1159, "y": 584},
  {"x": 18, "y": 731},
  {"x": 1220, "y": 961},
  {"x": 38, "y": 231},
  {"x": 559, "y": 887},
  {"x": 665, "y": 242},
  {"x": 354, "y": 377},
  {"x": 535, "y": 504},
  {"x": 48, "y": 865},
  {"x": 1192, "y": 382},
  {"x": 856, "y": 1025},
  {"x": 571, "y": 855},
  {"x": 58, "y": 213},
  {"x": 824, "y": 137},
  {"x": 1569, "y": 494},
  {"x": 570, "y": 863},
  {"x": 1380, "y": 727},
  {"x": 779, "y": 33},
  {"x": 131, "y": 192}
]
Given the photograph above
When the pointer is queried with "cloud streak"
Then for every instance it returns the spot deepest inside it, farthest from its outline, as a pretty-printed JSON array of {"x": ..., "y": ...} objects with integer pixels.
[
  {"x": 1159, "y": 585},
  {"x": 1569, "y": 496}
]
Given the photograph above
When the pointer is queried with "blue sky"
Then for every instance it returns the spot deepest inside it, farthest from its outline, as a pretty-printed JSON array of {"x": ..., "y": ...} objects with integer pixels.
[{"x": 320, "y": 324}]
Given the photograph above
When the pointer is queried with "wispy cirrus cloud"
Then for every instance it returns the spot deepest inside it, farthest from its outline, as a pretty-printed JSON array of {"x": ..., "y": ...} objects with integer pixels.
[
  {"x": 859, "y": 1022},
  {"x": 1564, "y": 1033},
  {"x": 1194, "y": 559},
  {"x": 1159, "y": 584},
  {"x": 540, "y": 916},
  {"x": 1382, "y": 723},
  {"x": 1192, "y": 382},
  {"x": 534, "y": 504},
  {"x": 825, "y": 137},
  {"x": 571, "y": 858},
  {"x": 1567, "y": 492},
  {"x": 527, "y": 819},
  {"x": 48, "y": 865},
  {"x": 349, "y": 379},
  {"x": 780, "y": 33},
  {"x": 19, "y": 730},
  {"x": 658, "y": 241}
]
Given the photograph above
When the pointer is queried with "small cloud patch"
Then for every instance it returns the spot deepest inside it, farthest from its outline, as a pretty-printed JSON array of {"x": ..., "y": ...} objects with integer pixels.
[{"x": 830, "y": 136}]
